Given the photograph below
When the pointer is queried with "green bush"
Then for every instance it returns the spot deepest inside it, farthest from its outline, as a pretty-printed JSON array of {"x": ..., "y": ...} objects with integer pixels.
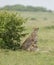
[
  {"x": 11, "y": 29},
  {"x": 33, "y": 18},
  {"x": 45, "y": 18}
]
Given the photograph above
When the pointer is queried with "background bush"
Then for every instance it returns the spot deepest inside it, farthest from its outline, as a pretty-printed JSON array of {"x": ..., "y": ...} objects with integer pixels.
[{"x": 11, "y": 29}]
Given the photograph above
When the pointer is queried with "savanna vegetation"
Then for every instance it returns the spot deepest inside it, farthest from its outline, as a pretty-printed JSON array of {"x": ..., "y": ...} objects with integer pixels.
[
  {"x": 24, "y": 8},
  {"x": 45, "y": 52}
]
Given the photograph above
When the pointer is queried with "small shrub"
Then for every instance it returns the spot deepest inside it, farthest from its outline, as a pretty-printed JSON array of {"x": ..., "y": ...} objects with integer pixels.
[
  {"x": 11, "y": 28},
  {"x": 45, "y": 18},
  {"x": 33, "y": 18}
]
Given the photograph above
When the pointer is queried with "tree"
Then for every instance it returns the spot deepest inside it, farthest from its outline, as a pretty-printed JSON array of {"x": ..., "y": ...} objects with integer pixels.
[
  {"x": 24, "y": 8},
  {"x": 11, "y": 30}
]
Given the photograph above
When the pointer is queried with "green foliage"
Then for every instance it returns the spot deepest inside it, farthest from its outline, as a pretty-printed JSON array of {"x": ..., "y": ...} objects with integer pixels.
[
  {"x": 11, "y": 29},
  {"x": 33, "y": 18},
  {"x": 45, "y": 18},
  {"x": 25, "y": 8}
]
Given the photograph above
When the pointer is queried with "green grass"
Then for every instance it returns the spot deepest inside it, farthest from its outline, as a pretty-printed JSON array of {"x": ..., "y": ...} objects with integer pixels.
[
  {"x": 26, "y": 58},
  {"x": 45, "y": 54}
]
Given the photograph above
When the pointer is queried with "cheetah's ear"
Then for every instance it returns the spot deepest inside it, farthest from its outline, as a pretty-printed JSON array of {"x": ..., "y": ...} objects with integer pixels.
[{"x": 37, "y": 28}]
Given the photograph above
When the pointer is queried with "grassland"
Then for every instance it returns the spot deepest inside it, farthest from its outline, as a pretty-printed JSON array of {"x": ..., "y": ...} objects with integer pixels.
[{"x": 45, "y": 54}]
